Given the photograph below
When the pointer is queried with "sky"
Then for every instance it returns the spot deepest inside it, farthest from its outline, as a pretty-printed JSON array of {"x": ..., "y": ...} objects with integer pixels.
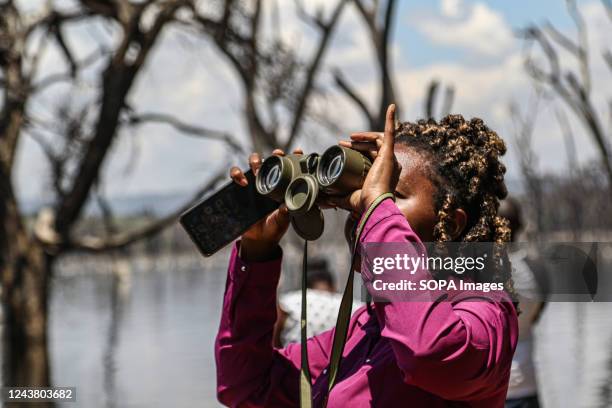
[{"x": 470, "y": 45}]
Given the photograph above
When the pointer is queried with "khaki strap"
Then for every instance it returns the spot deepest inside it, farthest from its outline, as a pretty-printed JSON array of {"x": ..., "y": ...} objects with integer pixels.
[
  {"x": 346, "y": 305},
  {"x": 305, "y": 382},
  {"x": 344, "y": 317}
]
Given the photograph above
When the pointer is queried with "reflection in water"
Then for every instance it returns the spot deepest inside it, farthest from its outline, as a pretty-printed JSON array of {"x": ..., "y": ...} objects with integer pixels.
[
  {"x": 121, "y": 281},
  {"x": 150, "y": 345}
]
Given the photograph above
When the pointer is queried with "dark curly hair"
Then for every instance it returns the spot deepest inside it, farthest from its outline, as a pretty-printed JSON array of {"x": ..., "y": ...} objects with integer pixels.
[{"x": 468, "y": 174}]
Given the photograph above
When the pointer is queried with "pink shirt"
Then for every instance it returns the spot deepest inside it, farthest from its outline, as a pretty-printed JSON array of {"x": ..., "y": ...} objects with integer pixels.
[{"x": 417, "y": 354}]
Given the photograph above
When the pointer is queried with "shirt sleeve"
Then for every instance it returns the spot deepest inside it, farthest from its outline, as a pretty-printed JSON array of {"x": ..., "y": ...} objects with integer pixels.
[
  {"x": 456, "y": 350},
  {"x": 250, "y": 371}
]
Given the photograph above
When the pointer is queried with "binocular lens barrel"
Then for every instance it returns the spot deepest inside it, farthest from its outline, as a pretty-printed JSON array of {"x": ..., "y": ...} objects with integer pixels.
[
  {"x": 342, "y": 170},
  {"x": 269, "y": 177},
  {"x": 301, "y": 194},
  {"x": 297, "y": 181},
  {"x": 338, "y": 170},
  {"x": 332, "y": 168},
  {"x": 272, "y": 177}
]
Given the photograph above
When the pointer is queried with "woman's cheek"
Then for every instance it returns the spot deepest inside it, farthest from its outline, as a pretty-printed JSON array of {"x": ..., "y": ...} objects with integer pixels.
[{"x": 421, "y": 218}]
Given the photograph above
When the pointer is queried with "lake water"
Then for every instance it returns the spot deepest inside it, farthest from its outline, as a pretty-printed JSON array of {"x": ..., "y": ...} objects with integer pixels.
[{"x": 143, "y": 337}]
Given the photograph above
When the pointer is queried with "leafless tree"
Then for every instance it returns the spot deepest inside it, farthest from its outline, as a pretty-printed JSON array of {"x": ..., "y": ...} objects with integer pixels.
[
  {"x": 575, "y": 197},
  {"x": 433, "y": 90},
  {"x": 378, "y": 19},
  {"x": 274, "y": 76},
  {"x": 573, "y": 86},
  {"x": 85, "y": 131},
  {"x": 524, "y": 123}
]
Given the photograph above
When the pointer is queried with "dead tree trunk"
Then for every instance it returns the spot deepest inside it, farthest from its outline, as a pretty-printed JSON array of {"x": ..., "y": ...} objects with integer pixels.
[
  {"x": 26, "y": 360},
  {"x": 24, "y": 270}
]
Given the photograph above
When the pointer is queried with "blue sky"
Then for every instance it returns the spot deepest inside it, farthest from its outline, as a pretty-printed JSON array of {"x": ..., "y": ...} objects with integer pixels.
[
  {"x": 464, "y": 43},
  {"x": 516, "y": 13}
]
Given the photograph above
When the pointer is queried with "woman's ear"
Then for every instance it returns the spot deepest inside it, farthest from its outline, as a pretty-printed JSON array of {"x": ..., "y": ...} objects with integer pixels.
[{"x": 459, "y": 221}]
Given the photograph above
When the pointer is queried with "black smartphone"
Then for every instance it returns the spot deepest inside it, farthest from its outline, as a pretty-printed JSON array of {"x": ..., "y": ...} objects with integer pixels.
[{"x": 219, "y": 219}]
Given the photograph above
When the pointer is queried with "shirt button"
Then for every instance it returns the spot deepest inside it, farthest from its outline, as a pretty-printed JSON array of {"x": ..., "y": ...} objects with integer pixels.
[{"x": 243, "y": 268}]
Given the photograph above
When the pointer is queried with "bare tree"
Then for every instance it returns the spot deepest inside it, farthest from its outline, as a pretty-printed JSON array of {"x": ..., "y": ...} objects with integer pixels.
[
  {"x": 575, "y": 197},
  {"x": 272, "y": 74},
  {"x": 83, "y": 143},
  {"x": 84, "y": 132},
  {"x": 378, "y": 20},
  {"x": 573, "y": 86},
  {"x": 524, "y": 124},
  {"x": 433, "y": 90}
]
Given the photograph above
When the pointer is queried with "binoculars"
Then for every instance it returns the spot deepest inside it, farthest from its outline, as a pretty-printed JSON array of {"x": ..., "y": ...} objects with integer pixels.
[{"x": 301, "y": 181}]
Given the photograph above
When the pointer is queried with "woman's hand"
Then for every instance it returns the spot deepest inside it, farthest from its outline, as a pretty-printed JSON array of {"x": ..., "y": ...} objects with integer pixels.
[
  {"x": 384, "y": 173},
  {"x": 260, "y": 242}
]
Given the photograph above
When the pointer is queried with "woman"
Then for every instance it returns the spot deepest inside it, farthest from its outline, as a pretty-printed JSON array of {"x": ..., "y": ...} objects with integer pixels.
[{"x": 447, "y": 181}]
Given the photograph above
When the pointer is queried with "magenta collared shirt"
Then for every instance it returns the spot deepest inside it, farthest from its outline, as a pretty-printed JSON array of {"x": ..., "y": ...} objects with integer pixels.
[{"x": 413, "y": 354}]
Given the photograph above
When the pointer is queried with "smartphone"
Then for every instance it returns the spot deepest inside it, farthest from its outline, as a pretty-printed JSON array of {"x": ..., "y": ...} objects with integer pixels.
[{"x": 219, "y": 219}]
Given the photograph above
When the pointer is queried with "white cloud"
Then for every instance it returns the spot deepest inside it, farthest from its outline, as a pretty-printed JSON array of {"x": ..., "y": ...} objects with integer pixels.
[
  {"x": 451, "y": 8},
  {"x": 485, "y": 90},
  {"x": 482, "y": 30}
]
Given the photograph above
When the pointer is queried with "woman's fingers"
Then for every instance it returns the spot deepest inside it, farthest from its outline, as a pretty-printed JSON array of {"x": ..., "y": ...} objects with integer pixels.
[
  {"x": 372, "y": 136},
  {"x": 389, "y": 136},
  {"x": 280, "y": 152},
  {"x": 348, "y": 202},
  {"x": 282, "y": 216},
  {"x": 255, "y": 162},
  {"x": 238, "y": 176},
  {"x": 368, "y": 148},
  {"x": 357, "y": 145},
  {"x": 365, "y": 142}
]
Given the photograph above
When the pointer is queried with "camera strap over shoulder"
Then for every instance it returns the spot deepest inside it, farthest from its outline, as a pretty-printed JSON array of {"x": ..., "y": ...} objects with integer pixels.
[{"x": 342, "y": 323}]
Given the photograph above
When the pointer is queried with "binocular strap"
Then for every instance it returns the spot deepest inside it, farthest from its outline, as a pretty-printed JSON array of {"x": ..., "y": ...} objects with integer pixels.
[
  {"x": 305, "y": 381},
  {"x": 342, "y": 323}
]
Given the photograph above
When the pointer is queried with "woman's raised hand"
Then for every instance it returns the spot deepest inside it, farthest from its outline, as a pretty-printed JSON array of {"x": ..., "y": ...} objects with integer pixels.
[
  {"x": 260, "y": 242},
  {"x": 384, "y": 173}
]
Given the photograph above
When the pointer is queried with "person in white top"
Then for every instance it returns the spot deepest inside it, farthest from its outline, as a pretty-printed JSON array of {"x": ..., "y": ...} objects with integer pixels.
[
  {"x": 523, "y": 388},
  {"x": 323, "y": 303}
]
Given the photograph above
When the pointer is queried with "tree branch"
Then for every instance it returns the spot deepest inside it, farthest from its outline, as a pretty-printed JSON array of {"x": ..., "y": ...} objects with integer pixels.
[
  {"x": 433, "y": 90},
  {"x": 352, "y": 95},
  {"x": 53, "y": 79},
  {"x": 574, "y": 92},
  {"x": 568, "y": 138},
  {"x": 380, "y": 34},
  {"x": 327, "y": 29},
  {"x": 430, "y": 100},
  {"x": 124, "y": 239},
  {"x": 191, "y": 130},
  {"x": 118, "y": 78}
]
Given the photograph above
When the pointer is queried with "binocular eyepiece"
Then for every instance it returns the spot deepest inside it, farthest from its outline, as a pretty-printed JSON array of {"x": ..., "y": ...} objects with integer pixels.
[{"x": 299, "y": 181}]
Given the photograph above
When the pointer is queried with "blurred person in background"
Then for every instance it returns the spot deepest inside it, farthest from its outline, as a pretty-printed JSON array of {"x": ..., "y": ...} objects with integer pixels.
[
  {"x": 523, "y": 387},
  {"x": 323, "y": 304}
]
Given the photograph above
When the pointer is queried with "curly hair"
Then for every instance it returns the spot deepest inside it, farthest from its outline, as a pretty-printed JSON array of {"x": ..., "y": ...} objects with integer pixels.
[{"x": 468, "y": 174}]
